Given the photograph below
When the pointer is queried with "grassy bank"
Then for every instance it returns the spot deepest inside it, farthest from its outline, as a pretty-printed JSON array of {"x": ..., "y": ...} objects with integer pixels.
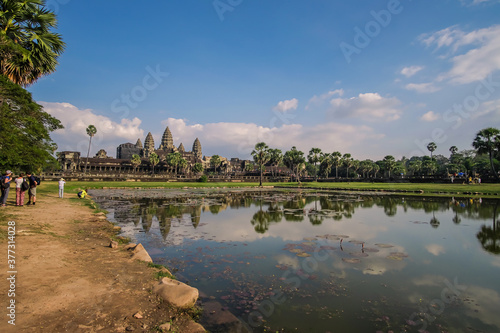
[{"x": 485, "y": 190}]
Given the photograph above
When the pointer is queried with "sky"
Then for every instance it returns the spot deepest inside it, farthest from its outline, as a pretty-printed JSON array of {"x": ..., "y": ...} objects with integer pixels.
[{"x": 369, "y": 78}]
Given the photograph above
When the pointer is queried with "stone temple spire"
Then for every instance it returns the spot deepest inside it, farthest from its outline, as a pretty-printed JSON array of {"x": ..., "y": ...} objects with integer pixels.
[
  {"x": 138, "y": 144},
  {"x": 197, "y": 149},
  {"x": 181, "y": 148},
  {"x": 167, "y": 141},
  {"x": 149, "y": 145}
]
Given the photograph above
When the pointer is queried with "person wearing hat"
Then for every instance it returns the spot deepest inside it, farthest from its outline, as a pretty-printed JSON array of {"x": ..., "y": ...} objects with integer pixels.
[
  {"x": 6, "y": 179},
  {"x": 61, "y": 187}
]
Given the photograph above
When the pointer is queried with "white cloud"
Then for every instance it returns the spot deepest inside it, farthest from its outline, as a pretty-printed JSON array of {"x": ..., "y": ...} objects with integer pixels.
[
  {"x": 321, "y": 99},
  {"x": 422, "y": 87},
  {"x": 430, "y": 116},
  {"x": 74, "y": 136},
  {"x": 410, "y": 71},
  {"x": 435, "y": 249},
  {"x": 480, "y": 55},
  {"x": 287, "y": 105},
  {"x": 239, "y": 139},
  {"x": 369, "y": 106}
]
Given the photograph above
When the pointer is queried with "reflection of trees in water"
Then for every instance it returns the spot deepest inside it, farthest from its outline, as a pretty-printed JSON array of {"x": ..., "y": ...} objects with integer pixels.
[
  {"x": 434, "y": 222},
  {"x": 489, "y": 236},
  {"x": 261, "y": 220}
]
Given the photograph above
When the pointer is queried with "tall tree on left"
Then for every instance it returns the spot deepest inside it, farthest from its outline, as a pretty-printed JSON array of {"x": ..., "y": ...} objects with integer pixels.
[
  {"x": 25, "y": 142},
  {"x": 29, "y": 48},
  {"x": 91, "y": 131}
]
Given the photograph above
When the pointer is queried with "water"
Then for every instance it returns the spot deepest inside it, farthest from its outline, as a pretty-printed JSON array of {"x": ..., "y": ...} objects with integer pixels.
[{"x": 307, "y": 262}]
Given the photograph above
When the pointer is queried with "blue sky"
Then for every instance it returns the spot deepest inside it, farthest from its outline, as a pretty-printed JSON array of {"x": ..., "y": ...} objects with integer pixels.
[{"x": 370, "y": 78}]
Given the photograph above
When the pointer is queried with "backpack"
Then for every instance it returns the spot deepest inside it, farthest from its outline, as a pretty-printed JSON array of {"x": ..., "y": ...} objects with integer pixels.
[
  {"x": 3, "y": 184},
  {"x": 37, "y": 180},
  {"x": 25, "y": 186}
]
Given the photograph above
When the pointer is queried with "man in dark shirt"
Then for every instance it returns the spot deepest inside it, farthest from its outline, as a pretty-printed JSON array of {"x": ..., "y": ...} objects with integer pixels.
[{"x": 32, "y": 190}]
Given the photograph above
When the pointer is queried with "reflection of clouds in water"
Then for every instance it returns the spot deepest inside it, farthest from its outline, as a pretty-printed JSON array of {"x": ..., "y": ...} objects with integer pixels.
[
  {"x": 435, "y": 249},
  {"x": 495, "y": 262},
  {"x": 284, "y": 259},
  {"x": 429, "y": 280},
  {"x": 484, "y": 306}
]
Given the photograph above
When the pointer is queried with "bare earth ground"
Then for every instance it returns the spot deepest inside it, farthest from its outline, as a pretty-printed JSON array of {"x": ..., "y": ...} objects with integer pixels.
[{"x": 70, "y": 280}]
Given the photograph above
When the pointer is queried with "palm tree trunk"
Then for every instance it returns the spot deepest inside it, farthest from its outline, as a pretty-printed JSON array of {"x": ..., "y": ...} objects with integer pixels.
[
  {"x": 493, "y": 166},
  {"x": 260, "y": 175},
  {"x": 88, "y": 153}
]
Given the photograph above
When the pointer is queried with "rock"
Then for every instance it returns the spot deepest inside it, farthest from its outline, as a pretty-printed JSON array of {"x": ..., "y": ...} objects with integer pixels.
[
  {"x": 130, "y": 328},
  {"x": 193, "y": 327},
  {"x": 113, "y": 244},
  {"x": 177, "y": 293},
  {"x": 138, "y": 315},
  {"x": 215, "y": 318},
  {"x": 165, "y": 327},
  {"x": 130, "y": 246},
  {"x": 140, "y": 253}
]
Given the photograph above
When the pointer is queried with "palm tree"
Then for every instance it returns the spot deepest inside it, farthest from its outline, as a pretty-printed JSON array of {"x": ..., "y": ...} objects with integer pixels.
[
  {"x": 314, "y": 157},
  {"x": 415, "y": 166},
  {"x": 215, "y": 161},
  {"x": 276, "y": 158},
  {"x": 28, "y": 47},
  {"x": 183, "y": 164},
  {"x": 453, "y": 150},
  {"x": 173, "y": 159},
  {"x": 294, "y": 159},
  {"x": 154, "y": 159},
  {"x": 326, "y": 164},
  {"x": 431, "y": 147},
  {"x": 347, "y": 161},
  {"x": 91, "y": 131},
  {"x": 197, "y": 168},
  {"x": 389, "y": 163},
  {"x": 485, "y": 144},
  {"x": 337, "y": 161},
  {"x": 136, "y": 161},
  {"x": 261, "y": 157}
]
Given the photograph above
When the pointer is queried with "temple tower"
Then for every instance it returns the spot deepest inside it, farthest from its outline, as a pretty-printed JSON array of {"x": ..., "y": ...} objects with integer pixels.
[
  {"x": 138, "y": 144},
  {"x": 197, "y": 149},
  {"x": 167, "y": 141},
  {"x": 181, "y": 148},
  {"x": 149, "y": 145}
]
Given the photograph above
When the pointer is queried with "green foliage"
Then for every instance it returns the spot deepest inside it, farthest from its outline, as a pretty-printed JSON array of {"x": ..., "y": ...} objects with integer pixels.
[
  {"x": 197, "y": 168},
  {"x": 25, "y": 142},
  {"x": 28, "y": 47},
  {"x": 203, "y": 179}
]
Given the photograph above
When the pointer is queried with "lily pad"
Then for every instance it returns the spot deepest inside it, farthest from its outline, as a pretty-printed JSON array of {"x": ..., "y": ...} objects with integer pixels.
[
  {"x": 397, "y": 258},
  {"x": 384, "y": 246},
  {"x": 303, "y": 254},
  {"x": 371, "y": 249},
  {"x": 359, "y": 254},
  {"x": 351, "y": 260}
]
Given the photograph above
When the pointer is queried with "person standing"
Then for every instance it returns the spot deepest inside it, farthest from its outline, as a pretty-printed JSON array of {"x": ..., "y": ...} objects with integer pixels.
[
  {"x": 19, "y": 191},
  {"x": 7, "y": 178},
  {"x": 61, "y": 187},
  {"x": 32, "y": 190}
]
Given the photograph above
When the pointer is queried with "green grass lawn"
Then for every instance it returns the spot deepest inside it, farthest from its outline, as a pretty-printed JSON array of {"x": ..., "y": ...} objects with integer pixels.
[{"x": 411, "y": 188}]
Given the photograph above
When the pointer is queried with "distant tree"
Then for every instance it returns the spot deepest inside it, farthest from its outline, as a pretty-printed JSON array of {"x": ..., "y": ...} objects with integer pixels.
[
  {"x": 215, "y": 162},
  {"x": 429, "y": 165},
  {"x": 154, "y": 159},
  {"x": 453, "y": 150},
  {"x": 314, "y": 157},
  {"x": 91, "y": 131},
  {"x": 415, "y": 166},
  {"x": 431, "y": 147},
  {"x": 376, "y": 169},
  {"x": 261, "y": 156},
  {"x": 173, "y": 159},
  {"x": 336, "y": 162},
  {"x": 485, "y": 142},
  {"x": 347, "y": 160},
  {"x": 276, "y": 158},
  {"x": 197, "y": 168},
  {"x": 389, "y": 164},
  {"x": 326, "y": 164},
  {"x": 136, "y": 161},
  {"x": 366, "y": 166},
  {"x": 294, "y": 159},
  {"x": 249, "y": 167},
  {"x": 183, "y": 163}
]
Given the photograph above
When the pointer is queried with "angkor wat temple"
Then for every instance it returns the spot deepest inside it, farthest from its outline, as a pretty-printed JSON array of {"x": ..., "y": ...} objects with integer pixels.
[{"x": 72, "y": 161}]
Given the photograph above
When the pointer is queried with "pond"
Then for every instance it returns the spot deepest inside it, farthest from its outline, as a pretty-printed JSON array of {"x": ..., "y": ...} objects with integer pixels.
[{"x": 317, "y": 262}]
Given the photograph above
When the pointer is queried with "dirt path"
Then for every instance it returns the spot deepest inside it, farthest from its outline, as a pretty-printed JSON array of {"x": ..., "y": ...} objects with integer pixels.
[{"x": 69, "y": 279}]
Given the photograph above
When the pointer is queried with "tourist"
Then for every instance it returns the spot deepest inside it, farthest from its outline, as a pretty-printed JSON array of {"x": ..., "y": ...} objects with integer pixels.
[
  {"x": 61, "y": 187},
  {"x": 32, "y": 190},
  {"x": 19, "y": 190},
  {"x": 6, "y": 179},
  {"x": 82, "y": 194}
]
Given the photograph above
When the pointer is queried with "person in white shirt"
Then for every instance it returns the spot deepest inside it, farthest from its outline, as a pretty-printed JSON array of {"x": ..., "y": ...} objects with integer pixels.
[{"x": 61, "y": 187}]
